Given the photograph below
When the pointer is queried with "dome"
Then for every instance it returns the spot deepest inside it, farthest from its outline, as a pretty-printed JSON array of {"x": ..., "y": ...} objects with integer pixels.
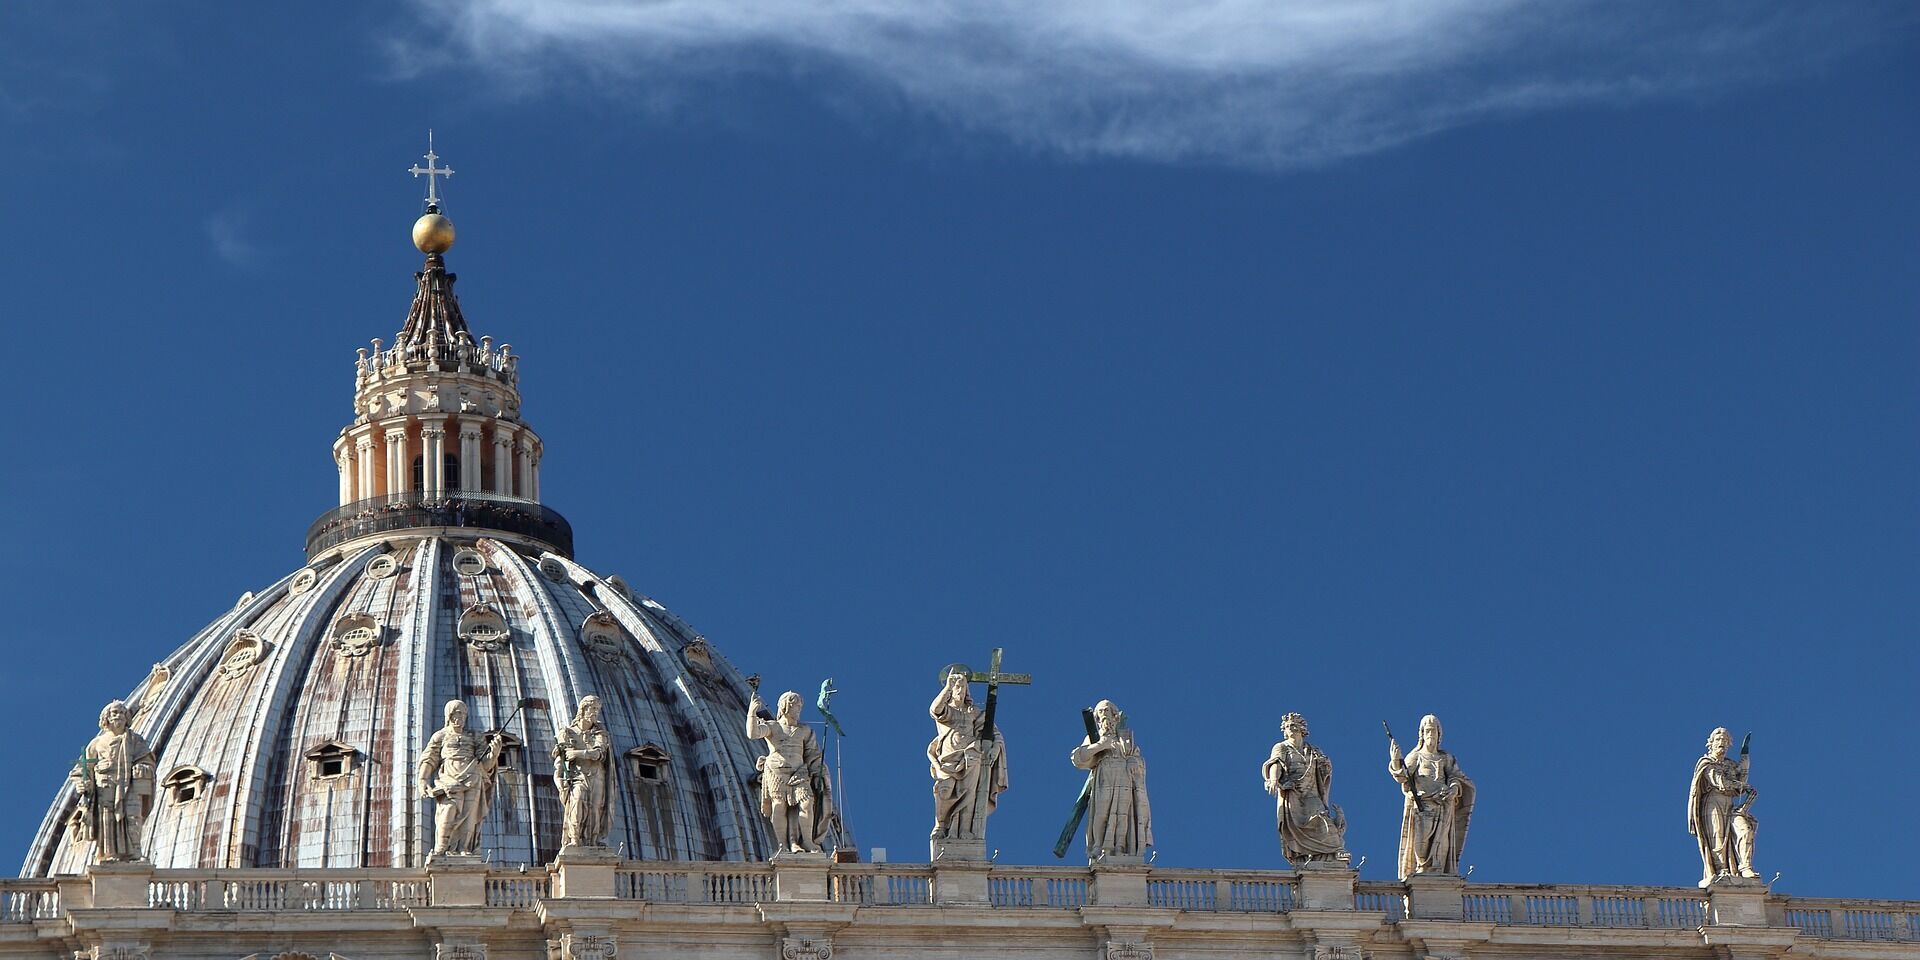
[{"x": 288, "y": 730}]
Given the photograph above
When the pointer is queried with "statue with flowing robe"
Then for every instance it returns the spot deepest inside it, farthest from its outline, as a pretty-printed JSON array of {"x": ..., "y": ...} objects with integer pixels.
[
  {"x": 795, "y": 790},
  {"x": 116, "y": 788},
  {"x": 1119, "y": 819},
  {"x": 1718, "y": 813},
  {"x": 962, "y": 764},
  {"x": 582, "y": 769},
  {"x": 457, "y": 771},
  {"x": 1438, "y": 803},
  {"x": 1300, "y": 778}
]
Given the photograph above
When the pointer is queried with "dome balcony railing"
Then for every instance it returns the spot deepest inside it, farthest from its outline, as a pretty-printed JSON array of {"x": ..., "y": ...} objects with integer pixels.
[{"x": 455, "y": 509}]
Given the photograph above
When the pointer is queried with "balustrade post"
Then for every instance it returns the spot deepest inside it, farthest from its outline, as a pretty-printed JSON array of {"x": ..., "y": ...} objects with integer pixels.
[
  {"x": 1436, "y": 896},
  {"x": 121, "y": 885}
]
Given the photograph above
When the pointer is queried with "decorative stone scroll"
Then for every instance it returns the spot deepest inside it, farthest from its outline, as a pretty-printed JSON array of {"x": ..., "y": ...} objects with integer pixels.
[
  {"x": 806, "y": 948},
  {"x": 574, "y": 946},
  {"x": 460, "y": 951},
  {"x": 602, "y": 637},
  {"x": 484, "y": 628},
  {"x": 244, "y": 651},
  {"x": 355, "y": 635},
  {"x": 1129, "y": 950}
]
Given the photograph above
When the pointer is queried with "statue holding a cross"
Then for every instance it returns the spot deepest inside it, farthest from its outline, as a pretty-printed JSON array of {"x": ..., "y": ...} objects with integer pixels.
[{"x": 967, "y": 759}]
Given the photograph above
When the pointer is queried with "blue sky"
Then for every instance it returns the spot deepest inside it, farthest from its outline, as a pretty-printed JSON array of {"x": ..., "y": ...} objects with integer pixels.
[{"x": 1546, "y": 367}]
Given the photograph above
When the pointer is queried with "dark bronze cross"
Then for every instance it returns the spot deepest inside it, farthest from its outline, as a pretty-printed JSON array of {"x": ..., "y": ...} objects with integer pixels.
[{"x": 993, "y": 678}]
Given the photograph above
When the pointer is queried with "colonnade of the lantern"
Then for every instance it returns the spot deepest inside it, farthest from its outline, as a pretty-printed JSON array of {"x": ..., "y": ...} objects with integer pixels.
[{"x": 378, "y": 459}]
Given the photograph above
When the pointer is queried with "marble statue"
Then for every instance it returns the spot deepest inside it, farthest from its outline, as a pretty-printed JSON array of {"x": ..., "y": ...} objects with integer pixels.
[
  {"x": 1119, "y": 820},
  {"x": 583, "y": 770},
  {"x": 968, "y": 773},
  {"x": 1438, "y": 803},
  {"x": 1718, "y": 813},
  {"x": 457, "y": 772},
  {"x": 794, "y": 788},
  {"x": 1298, "y": 775},
  {"x": 116, "y": 788}
]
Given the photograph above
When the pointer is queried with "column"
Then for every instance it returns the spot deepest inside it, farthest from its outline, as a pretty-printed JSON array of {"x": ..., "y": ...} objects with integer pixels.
[
  {"x": 363, "y": 463},
  {"x": 502, "y": 459},
  {"x": 469, "y": 455},
  {"x": 433, "y": 453},
  {"x": 523, "y": 464},
  {"x": 534, "y": 472},
  {"x": 343, "y": 459},
  {"x": 399, "y": 465}
]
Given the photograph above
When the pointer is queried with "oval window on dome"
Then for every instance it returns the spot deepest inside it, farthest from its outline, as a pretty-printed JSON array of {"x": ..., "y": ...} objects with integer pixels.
[
  {"x": 355, "y": 635},
  {"x": 382, "y": 566},
  {"x": 602, "y": 637},
  {"x": 303, "y": 581},
  {"x": 468, "y": 561},
  {"x": 553, "y": 569},
  {"x": 483, "y": 628}
]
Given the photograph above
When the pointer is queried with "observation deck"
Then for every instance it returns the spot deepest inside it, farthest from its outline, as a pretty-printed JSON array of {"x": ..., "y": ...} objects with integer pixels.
[{"x": 441, "y": 512}]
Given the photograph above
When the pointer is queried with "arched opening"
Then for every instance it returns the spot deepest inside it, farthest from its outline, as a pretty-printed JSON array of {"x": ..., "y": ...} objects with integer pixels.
[{"x": 449, "y": 472}]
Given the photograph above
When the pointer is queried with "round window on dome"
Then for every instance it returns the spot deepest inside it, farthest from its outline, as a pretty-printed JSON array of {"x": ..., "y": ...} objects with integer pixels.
[
  {"x": 303, "y": 581},
  {"x": 468, "y": 561},
  {"x": 382, "y": 566},
  {"x": 602, "y": 637},
  {"x": 553, "y": 569}
]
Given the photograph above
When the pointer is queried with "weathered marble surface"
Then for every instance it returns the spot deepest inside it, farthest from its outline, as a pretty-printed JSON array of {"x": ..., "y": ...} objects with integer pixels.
[
  {"x": 583, "y": 771},
  {"x": 968, "y": 772}
]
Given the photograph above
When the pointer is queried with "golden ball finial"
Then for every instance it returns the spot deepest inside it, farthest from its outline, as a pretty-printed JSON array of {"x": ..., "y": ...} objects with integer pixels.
[{"x": 433, "y": 233}]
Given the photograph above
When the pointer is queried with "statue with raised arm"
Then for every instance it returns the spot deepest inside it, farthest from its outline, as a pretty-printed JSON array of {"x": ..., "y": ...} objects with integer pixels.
[
  {"x": 1438, "y": 803},
  {"x": 794, "y": 788},
  {"x": 116, "y": 788},
  {"x": 1299, "y": 777},
  {"x": 1119, "y": 820},
  {"x": 1718, "y": 813},
  {"x": 583, "y": 768},
  {"x": 962, "y": 764},
  {"x": 456, "y": 772}
]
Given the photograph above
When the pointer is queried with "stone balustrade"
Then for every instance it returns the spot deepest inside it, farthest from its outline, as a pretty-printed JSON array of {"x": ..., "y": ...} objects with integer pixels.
[{"x": 906, "y": 886}]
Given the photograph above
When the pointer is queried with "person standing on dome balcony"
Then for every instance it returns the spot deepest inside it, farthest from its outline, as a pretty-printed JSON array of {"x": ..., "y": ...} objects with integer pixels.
[
  {"x": 116, "y": 788},
  {"x": 457, "y": 773}
]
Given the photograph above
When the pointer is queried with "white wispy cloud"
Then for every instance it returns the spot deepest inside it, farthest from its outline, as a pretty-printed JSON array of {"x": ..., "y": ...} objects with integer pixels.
[
  {"x": 1271, "y": 83},
  {"x": 228, "y": 234}
]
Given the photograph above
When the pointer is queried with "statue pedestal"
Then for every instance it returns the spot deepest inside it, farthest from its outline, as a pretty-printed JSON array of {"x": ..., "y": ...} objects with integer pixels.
[
  {"x": 584, "y": 872},
  {"x": 1119, "y": 885},
  {"x": 1326, "y": 885},
  {"x": 121, "y": 884},
  {"x": 801, "y": 876},
  {"x": 960, "y": 881},
  {"x": 1436, "y": 896},
  {"x": 939, "y": 850},
  {"x": 457, "y": 880},
  {"x": 1737, "y": 902}
]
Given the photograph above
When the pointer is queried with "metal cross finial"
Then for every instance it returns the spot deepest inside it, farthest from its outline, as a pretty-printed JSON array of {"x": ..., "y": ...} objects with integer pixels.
[{"x": 431, "y": 171}]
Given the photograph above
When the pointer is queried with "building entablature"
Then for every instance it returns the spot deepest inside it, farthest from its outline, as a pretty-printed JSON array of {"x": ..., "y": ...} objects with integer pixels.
[{"x": 766, "y": 910}]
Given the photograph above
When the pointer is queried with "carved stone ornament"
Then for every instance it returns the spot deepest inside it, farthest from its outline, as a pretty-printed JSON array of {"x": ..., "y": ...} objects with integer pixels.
[
  {"x": 468, "y": 561},
  {"x": 602, "y": 637},
  {"x": 382, "y": 566},
  {"x": 460, "y": 951},
  {"x": 355, "y": 635},
  {"x": 553, "y": 569},
  {"x": 1118, "y": 950},
  {"x": 700, "y": 658},
  {"x": 243, "y": 651},
  {"x": 620, "y": 585},
  {"x": 1323, "y": 951},
  {"x": 150, "y": 690},
  {"x": 577, "y": 947},
  {"x": 805, "y": 948},
  {"x": 121, "y": 951},
  {"x": 484, "y": 628},
  {"x": 243, "y": 599},
  {"x": 303, "y": 581}
]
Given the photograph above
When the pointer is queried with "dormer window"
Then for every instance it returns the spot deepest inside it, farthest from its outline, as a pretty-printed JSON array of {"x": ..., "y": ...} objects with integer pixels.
[
  {"x": 648, "y": 763},
  {"x": 330, "y": 760},
  {"x": 186, "y": 784}
]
